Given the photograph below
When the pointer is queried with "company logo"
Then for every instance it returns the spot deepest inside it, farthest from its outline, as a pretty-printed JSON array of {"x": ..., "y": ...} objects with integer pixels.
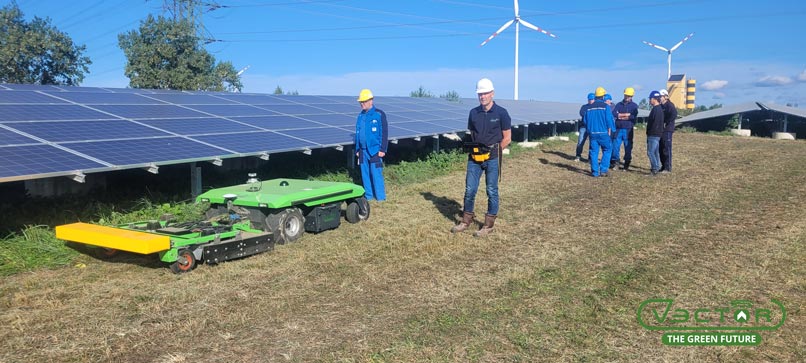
[{"x": 710, "y": 324}]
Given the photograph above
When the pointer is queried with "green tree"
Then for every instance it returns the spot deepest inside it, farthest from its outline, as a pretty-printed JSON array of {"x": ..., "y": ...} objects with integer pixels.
[
  {"x": 37, "y": 52},
  {"x": 166, "y": 54},
  {"x": 279, "y": 91},
  {"x": 452, "y": 96},
  {"x": 644, "y": 104},
  {"x": 421, "y": 92}
]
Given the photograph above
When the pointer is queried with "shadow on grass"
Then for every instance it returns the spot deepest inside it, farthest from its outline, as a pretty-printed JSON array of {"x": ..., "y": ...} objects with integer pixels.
[
  {"x": 568, "y": 167},
  {"x": 446, "y": 206},
  {"x": 115, "y": 256},
  {"x": 560, "y": 154}
]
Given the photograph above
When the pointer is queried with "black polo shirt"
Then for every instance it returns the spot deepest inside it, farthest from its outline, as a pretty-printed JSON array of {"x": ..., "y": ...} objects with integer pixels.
[{"x": 487, "y": 127}]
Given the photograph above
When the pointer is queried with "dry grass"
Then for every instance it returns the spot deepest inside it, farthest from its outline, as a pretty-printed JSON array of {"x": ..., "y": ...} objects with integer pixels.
[{"x": 559, "y": 280}]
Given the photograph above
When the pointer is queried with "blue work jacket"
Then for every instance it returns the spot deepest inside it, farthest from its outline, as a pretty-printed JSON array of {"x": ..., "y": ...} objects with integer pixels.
[{"x": 372, "y": 131}]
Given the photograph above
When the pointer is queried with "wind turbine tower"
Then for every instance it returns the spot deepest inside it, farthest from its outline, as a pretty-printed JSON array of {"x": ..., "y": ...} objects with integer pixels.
[
  {"x": 669, "y": 52},
  {"x": 518, "y": 21}
]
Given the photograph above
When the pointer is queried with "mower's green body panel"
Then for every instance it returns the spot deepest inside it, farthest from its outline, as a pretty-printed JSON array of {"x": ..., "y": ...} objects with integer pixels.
[{"x": 283, "y": 193}]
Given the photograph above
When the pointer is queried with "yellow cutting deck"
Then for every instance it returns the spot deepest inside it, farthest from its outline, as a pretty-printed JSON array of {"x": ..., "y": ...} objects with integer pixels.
[{"x": 116, "y": 238}]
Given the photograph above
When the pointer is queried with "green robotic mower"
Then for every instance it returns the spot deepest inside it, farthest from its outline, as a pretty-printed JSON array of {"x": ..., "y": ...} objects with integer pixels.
[{"x": 242, "y": 220}]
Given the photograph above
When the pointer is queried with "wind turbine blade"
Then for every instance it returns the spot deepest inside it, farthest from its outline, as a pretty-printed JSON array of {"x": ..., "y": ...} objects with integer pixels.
[
  {"x": 532, "y": 26},
  {"x": 681, "y": 42},
  {"x": 655, "y": 46},
  {"x": 506, "y": 25},
  {"x": 517, "y": 9}
]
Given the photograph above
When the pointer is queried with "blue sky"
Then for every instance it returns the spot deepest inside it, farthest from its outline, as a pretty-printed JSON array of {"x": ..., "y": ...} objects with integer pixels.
[{"x": 742, "y": 50}]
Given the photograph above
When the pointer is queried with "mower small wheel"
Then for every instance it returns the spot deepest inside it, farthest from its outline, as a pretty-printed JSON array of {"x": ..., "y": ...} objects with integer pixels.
[
  {"x": 357, "y": 210},
  {"x": 185, "y": 261},
  {"x": 106, "y": 253},
  {"x": 292, "y": 225}
]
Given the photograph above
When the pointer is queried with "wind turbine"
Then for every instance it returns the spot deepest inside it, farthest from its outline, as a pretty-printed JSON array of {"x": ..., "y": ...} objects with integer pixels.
[
  {"x": 518, "y": 21},
  {"x": 669, "y": 51}
]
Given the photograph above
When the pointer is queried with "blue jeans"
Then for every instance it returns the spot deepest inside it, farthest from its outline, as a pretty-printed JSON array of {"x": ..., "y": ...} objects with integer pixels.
[
  {"x": 583, "y": 136},
  {"x": 372, "y": 176},
  {"x": 604, "y": 142},
  {"x": 622, "y": 135},
  {"x": 652, "y": 151},
  {"x": 474, "y": 170}
]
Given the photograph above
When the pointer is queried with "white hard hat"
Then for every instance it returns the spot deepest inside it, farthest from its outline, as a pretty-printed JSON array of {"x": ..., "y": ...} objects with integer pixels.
[
  {"x": 484, "y": 85},
  {"x": 663, "y": 92}
]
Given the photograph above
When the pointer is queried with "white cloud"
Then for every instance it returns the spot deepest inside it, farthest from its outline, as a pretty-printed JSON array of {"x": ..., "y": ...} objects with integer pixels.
[
  {"x": 802, "y": 76},
  {"x": 773, "y": 81},
  {"x": 714, "y": 85}
]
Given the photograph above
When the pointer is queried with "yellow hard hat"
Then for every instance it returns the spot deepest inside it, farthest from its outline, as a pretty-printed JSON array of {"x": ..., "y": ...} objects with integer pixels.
[
  {"x": 629, "y": 91},
  {"x": 600, "y": 92},
  {"x": 365, "y": 95}
]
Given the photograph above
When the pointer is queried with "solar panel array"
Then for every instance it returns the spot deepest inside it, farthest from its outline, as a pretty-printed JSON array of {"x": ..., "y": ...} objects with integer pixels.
[{"x": 50, "y": 131}]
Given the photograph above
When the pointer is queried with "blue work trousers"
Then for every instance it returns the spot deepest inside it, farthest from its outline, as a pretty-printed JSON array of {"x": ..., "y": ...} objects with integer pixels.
[
  {"x": 583, "y": 136},
  {"x": 604, "y": 142},
  {"x": 622, "y": 136},
  {"x": 472, "y": 179},
  {"x": 372, "y": 176},
  {"x": 652, "y": 146},
  {"x": 666, "y": 151}
]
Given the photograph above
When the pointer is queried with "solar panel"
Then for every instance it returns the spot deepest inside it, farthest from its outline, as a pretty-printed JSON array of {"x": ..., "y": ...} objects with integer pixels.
[
  {"x": 281, "y": 122},
  {"x": 27, "y": 97},
  {"x": 146, "y": 151},
  {"x": 31, "y": 160},
  {"x": 95, "y": 98},
  {"x": 55, "y": 131},
  {"x": 425, "y": 128},
  {"x": 149, "y": 111},
  {"x": 324, "y": 135},
  {"x": 196, "y": 126},
  {"x": 98, "y": 129},
  {"x": 335, "y": 119},
  {"x": 256, "y": 142},
  {"x": 30, "y": 112},
  {"x": 186, "y": 99},
  {"x": 234, "y": 110},
  {"x": 8, "y": 137}
]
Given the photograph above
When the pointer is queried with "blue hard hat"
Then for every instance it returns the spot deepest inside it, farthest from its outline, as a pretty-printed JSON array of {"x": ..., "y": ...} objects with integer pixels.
[
  {"x": 608, "y": 97},
  {"x": 591, "y": 96},
  {"x": 654, "y": 94}
]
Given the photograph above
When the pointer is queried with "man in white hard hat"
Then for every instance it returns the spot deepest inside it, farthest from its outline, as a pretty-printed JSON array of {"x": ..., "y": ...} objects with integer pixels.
[
  {"x": 490, "y": 132},
  {"x": 669, "y": 117},
  {"x": 371, "y": 142}
]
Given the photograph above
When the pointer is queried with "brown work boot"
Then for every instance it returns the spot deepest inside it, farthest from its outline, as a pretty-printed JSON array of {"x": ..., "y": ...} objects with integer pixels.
[
  {"x": 489, "y": 222},
  {"x": 467, "y": 219}
]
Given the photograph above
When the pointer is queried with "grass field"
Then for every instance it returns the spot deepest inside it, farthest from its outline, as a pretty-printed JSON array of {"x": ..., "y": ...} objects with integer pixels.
[{"x": 571, "y": 259}]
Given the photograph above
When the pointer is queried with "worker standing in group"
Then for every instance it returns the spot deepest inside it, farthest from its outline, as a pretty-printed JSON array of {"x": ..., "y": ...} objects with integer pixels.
[
  {"x": 490, "y": 132},
  {"x": 583, "y": 135},
  {"x": 599, "y": 120},
  {"x": 669, "y": 117},
  {"x": 654, "y": 131},
  {"x": 371, "y": 142},
  {"x": 625, "y": 113}
]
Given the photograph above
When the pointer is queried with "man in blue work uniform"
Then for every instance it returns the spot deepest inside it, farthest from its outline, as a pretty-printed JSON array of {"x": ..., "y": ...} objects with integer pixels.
[
  {"x": 669, "y": 117},
  {"x": 599, "y": 119},
  {"x": 625, "y": 113},
  {"x": 371, "y": 141},
  {"x": 654, "y": 131},
  {"x": 490, "y": 125},
  {"x": 583, "y": 134}
]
